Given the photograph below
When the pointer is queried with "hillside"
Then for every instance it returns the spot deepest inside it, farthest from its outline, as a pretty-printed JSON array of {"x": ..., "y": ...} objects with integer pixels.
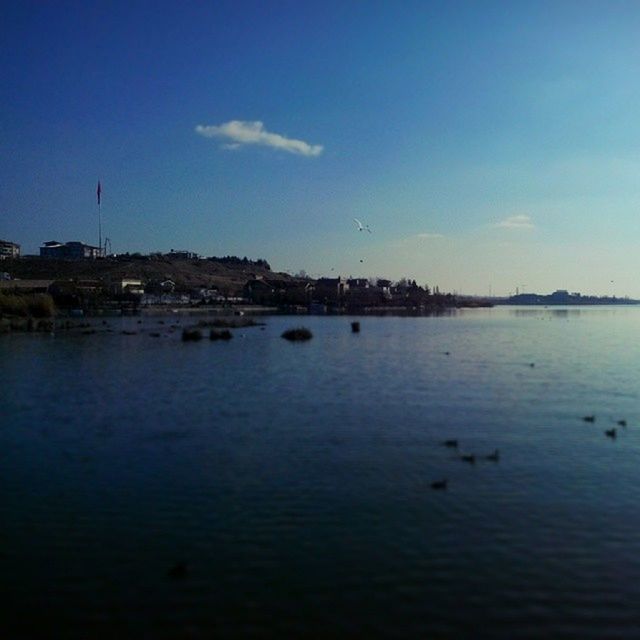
[{"x": 228, "y": 275}]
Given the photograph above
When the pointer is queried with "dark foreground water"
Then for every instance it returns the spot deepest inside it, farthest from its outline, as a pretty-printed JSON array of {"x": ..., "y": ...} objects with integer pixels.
[{"x": 294, "y": 480}]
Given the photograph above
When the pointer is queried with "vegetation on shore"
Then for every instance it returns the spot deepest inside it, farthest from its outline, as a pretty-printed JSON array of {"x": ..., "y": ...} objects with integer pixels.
[
  {"x": 130, "y": 282},
  {"x": 26, "y": 312},
  {"x": 230, "y": 323},
  {"x": 34, "y": 305}
]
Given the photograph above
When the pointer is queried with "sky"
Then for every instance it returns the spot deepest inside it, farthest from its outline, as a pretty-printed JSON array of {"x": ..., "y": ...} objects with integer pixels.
[{"x": 489, "y": 146}]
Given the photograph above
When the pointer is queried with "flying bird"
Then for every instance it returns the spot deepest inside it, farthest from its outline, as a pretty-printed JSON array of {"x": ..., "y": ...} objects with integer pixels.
[{"x": 361, "y": 227}]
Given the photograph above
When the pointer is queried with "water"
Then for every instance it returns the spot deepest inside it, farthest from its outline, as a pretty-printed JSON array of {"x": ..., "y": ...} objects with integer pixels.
[{"x": 294, "y": 480}]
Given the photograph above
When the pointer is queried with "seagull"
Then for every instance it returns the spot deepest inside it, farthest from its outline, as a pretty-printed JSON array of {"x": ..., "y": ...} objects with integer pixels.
[{"x": 361, "y": 227}]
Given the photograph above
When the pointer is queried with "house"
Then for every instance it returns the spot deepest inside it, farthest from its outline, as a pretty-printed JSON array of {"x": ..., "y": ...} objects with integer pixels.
[
  {"x": 9, "y": 250},
  {"x": 206, "y": 295},
  {"x": 362, "y": 294},
  {"x": 385, "y": 287},
  {"x": 25, "y": 286},
  {"x": 182, "y": 255},
  {"x": 174, "y": 299},
  {"x": 70, "y": 251},
  {"x": 260, "y": 291},
  {"x": 330, "y": 289},
  {"x": 167, "y": 286},
  {"x": 88, "y": 286},
  {"x": 127, "y": 286}
]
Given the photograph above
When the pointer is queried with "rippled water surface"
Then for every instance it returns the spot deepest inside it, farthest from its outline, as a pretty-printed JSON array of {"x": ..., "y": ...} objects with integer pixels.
[{"x": 294, "y": 480}]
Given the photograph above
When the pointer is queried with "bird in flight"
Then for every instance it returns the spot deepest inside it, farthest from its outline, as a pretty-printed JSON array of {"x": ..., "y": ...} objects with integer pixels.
[{"x": 361, "y": 227}]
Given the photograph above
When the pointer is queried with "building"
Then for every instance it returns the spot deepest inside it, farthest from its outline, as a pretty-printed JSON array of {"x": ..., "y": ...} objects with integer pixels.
[
  {"x": 127, "y": 286},
  {"x": 182, "y": 255},
  {"x": 385, "y": 287},
  {"x": 9, "y": 250},
  {"x": 25, "y": 286},
  {"x": 330, "y": 289},
  {"x": 358, "y": 283},
  {"x": 206, "y": 295},
  {"x": 70, "y": 251}
]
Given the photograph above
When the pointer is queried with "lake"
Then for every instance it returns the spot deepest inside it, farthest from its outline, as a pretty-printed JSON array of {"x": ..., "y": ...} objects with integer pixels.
[{"x": 288, "y": 485}]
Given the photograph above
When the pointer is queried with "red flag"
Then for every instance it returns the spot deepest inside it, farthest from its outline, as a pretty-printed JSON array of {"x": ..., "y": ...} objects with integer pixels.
[{"x": 98, "y": 191}]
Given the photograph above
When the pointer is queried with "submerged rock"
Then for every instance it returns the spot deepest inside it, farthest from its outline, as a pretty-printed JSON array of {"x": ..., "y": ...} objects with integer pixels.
[
  {"x": 297, "y": 335},
  {"x": 191, "y": 335}
]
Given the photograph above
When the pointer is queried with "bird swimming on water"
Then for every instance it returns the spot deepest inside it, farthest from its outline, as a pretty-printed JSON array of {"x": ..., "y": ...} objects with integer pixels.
[
  {"x": 178, "y": 571},
  {"x": 589, "y": 418},
  {"x": 451, "y": 443},
  {"x": 439, "y": 484},
  {"x": 622, "y": 423},
  {"x": 494, "y": 457},
  {"x": 470, "y": 458},
  {"x": 610, "y": 433}
]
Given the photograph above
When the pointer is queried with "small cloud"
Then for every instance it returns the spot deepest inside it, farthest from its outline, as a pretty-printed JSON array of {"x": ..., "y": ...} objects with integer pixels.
[
  {"x": 240, "y": 132},
  {"x": 428, "y": 236},
  {"x": 516, "y": 222}
]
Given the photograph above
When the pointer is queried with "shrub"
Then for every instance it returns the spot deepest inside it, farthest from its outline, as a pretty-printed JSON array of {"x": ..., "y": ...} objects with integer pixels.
[{"x": 36, "y": 305}]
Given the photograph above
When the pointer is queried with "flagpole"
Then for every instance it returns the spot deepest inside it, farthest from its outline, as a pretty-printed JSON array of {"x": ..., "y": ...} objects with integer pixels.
[
  {"x": 99, "y": 194},
  {"x": 99, "y": 228}
]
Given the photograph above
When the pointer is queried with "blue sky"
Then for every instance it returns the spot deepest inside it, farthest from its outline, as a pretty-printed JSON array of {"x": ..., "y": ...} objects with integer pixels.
[{"x": 486, "y": 144}]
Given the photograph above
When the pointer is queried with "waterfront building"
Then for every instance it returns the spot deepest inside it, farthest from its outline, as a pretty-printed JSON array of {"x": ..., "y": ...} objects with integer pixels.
[
  {"x": 358, "y": 283},
  {"x": 9, "y": 250},
  {"x": 330, "y": 289},
  {"x": 25, "y": 286},
  {"x": 131, "y": 286}
]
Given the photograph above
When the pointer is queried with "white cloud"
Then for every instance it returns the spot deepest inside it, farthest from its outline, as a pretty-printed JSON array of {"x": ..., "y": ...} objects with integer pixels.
[
  {"x": 516, "y": 222},
  {"x": 241, "y": 132}
]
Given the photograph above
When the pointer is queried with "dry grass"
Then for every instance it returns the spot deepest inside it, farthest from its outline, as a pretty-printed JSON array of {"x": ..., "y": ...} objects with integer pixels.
[{"x": 34, "y": 305}]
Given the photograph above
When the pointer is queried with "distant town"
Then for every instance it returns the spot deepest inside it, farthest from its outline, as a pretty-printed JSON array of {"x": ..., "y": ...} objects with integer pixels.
[{"x": 85, "y": 278}]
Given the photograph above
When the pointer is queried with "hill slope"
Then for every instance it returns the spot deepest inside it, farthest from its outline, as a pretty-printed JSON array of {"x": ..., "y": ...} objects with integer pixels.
[{"x": 228, "y": 275}]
